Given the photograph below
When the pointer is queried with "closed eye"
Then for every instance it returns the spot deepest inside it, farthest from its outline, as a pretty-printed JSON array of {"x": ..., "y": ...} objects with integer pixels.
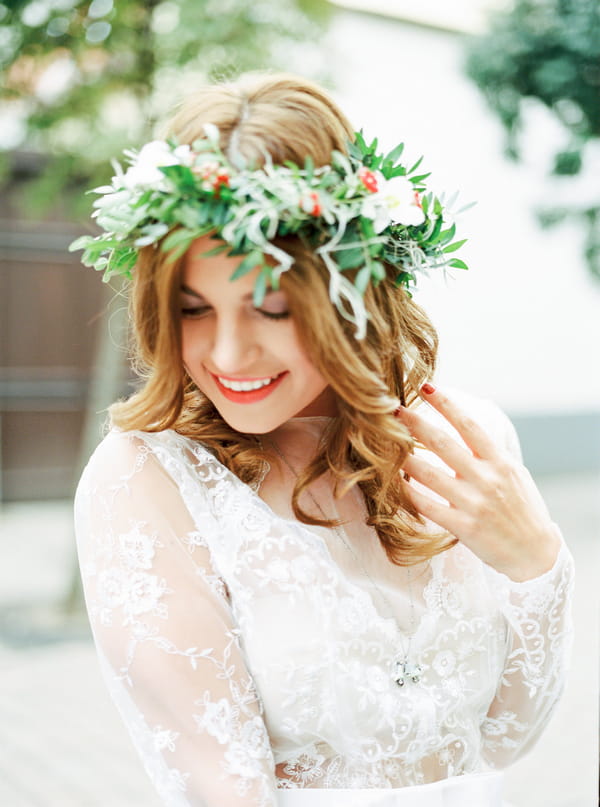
[
  {"x": 273, "y": 314},
  {"x": 193, "y": 312}
]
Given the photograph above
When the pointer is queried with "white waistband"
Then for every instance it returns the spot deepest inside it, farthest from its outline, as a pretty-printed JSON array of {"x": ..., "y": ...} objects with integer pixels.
[{"x": 473, "y": 790}]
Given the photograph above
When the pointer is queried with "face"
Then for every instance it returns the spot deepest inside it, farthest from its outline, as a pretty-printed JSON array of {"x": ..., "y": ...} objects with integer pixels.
[{"x": 248, "y": 361}]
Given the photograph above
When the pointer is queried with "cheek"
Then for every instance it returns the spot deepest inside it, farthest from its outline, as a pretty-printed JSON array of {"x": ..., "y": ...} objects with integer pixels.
[
  {"x": 193, "y": 344},
  {"x": 301, "y": 364}
]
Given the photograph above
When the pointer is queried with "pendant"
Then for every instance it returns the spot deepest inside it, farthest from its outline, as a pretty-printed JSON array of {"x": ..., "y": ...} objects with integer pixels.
[{"x": 407, "y": 671}]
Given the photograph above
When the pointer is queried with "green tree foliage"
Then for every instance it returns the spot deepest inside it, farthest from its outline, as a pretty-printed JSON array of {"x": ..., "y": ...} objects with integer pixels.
[
  {"x": 83, "y": 80},
  {"x": 547, "y": 50}
]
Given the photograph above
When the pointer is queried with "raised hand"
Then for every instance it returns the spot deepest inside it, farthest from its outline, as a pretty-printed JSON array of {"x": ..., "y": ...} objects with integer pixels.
[{"x": 493, "y": 505}]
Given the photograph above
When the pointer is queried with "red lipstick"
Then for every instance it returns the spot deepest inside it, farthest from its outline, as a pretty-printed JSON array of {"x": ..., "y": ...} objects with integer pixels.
[{"x": 249, "y": 396}]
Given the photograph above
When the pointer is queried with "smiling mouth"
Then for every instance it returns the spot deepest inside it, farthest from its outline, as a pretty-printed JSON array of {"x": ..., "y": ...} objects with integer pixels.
[
  {"x": 248, "y": 390},
  {"x": 246, "y": 386}
]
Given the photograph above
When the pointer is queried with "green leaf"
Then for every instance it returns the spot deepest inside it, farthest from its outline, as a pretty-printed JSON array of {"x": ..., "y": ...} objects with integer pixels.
[
  {"x": 378, "y": 271},
  {"x": 398, "y": 171},
  {"x": 447, "y": 235},
  {"x": 453, "y": 247},
  {"x": 349, "y": 258},
  {"x": 363, "y": 276},
  {"x": 151, "y": 233},
  {"x": 81, "y": 243},
  {"x": 215, "y": 250},
  {"x": 260, "y": 287},
  {"x": 435, "y": 234},
  {"x": 187, "y": 214},
  {"x": 415, "y": 166},
  {"x": 404, "y": 279},
  {"x": 395, "y": 153},
  {"x": 420, "y": 178},
  {"x": 251, "y": 260},
  {"x": 181, "y": 175},
  {"x": 458, "y": 264},
  {"x": 176, "y": 238}
]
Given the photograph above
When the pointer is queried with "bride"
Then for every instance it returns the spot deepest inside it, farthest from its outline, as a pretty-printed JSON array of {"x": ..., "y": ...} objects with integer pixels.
[{"x": 313, "y": 577}]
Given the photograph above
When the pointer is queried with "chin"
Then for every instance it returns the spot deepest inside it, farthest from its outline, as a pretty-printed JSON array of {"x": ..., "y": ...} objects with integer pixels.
[{"x": 249, "y": 423}]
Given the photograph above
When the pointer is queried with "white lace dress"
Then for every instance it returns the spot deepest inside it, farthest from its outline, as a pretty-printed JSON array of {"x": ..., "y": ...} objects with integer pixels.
[{"x": 252, "y": 657}]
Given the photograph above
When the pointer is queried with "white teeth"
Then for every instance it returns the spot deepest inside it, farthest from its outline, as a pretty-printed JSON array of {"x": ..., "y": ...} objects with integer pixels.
[{"x": 245, "y": 386}]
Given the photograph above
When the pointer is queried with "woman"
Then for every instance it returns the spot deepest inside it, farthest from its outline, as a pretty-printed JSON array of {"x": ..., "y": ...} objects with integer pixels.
[{"x": 313, "y": 578}]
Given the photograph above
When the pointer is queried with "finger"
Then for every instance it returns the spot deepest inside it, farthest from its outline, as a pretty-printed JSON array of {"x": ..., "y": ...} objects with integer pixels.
[
  {"x": 471, "y": 432},
  {"x": 448, "y": 518},
  {"x": 438, "y": 481},
  {"x": 437, "y": 440}
]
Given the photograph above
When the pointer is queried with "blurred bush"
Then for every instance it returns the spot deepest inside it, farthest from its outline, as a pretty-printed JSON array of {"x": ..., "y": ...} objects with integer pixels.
[
  {"x": 547, "y": 50},
  {"x": 82, "y": 80}
]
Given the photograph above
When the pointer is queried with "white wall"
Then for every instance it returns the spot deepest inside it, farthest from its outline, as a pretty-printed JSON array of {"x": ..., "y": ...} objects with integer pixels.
[{"x": 523, "y": 325}]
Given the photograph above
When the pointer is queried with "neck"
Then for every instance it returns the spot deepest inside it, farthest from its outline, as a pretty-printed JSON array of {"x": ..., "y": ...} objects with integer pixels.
[{"x": 324, "y": 405}]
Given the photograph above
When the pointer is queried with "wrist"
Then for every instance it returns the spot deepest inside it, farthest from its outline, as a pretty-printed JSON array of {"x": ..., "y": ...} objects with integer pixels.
[{"x": 547, "y": 547}]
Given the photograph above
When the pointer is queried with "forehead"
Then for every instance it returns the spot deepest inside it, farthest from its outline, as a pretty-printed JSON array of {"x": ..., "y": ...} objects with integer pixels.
[{"x": 210, "y": 275}]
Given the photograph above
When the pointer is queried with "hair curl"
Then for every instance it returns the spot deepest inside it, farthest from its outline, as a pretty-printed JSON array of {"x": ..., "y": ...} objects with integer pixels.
[{"x": 289, "y": 118}]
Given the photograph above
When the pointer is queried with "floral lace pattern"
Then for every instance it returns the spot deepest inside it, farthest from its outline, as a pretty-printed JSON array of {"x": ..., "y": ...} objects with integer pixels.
[{"x": 243, "y": 660}]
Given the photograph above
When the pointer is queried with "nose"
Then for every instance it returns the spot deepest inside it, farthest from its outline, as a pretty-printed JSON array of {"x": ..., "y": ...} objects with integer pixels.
[{"x": 233, "y": 348}]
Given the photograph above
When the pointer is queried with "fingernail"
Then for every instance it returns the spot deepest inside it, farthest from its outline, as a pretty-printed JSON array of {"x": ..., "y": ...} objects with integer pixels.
[{"x": 428, "y": 389}]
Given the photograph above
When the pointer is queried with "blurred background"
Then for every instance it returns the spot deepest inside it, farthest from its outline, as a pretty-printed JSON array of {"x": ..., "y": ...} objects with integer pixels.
[{"x": 503, "y": 98}]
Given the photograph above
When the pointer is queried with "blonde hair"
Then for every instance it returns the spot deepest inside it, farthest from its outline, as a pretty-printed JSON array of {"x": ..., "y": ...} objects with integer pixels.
[{"x": 290, "y": 118}]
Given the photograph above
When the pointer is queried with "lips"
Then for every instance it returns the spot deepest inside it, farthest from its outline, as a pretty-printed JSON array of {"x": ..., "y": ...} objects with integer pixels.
[{"x": 252, "y": 395}]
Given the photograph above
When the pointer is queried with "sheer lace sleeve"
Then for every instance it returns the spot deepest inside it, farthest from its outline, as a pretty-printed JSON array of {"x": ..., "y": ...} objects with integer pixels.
[
  {"x": 539, "y": 636},
  {"x": 165, "y": 634},
  {"x": 537, "y": 615}
]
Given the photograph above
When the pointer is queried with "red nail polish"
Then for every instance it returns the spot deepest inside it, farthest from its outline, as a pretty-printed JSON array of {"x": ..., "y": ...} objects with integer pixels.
[{"x": 428, "y": 389}]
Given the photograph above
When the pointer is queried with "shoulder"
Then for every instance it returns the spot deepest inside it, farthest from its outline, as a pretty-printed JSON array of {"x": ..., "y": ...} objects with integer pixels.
[
  {"x": 119, "y": 455},
  {"x": 483, "y": 411},
  {"x": 130, "y": 479},
  {"x": 126, "y": 459}
]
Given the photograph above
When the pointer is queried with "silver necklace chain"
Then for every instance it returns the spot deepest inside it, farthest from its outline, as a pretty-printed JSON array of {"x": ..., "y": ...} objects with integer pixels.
[{"x": 403, "y": 669}]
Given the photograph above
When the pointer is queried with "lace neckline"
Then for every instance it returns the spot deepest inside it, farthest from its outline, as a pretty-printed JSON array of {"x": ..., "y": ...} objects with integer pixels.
[{"x": 316, "y": 539}]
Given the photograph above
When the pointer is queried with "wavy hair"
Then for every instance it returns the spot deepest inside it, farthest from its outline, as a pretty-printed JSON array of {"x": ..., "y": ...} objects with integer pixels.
[{"x": 289, "y": 118}]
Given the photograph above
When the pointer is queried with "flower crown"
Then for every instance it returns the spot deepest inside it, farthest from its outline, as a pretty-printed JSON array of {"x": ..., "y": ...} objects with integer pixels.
[{"x": 360, "y": 212}]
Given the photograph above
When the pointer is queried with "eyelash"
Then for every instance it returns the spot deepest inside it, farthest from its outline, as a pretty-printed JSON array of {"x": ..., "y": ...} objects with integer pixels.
[
  {"x": 273, "y": 314},
  {"x": 192, "y": 313}
]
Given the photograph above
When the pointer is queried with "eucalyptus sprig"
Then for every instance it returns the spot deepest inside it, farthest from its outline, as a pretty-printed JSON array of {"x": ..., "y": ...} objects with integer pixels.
[{"x": 362, "y": 211}]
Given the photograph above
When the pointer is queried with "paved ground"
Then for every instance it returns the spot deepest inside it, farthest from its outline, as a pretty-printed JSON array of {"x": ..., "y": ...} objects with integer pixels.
[{"x": 62, "y": 745}]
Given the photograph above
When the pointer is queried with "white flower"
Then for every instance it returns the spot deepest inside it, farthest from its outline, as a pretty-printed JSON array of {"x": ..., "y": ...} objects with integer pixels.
[
  {"x": 443, "y": 596},
  {"x": 303, "y": 569},
  {"x": 351, "y": 616},
  {"x": 254, "y": 738},
  {"x": 111, "y": 587},
  {"x": 163, "y": 738},
  {"x": 377, "y": 680},
  {"x": 212, "y": 133},
  {"x": 143, "y": 594},
  {"x": 278, "y": 570},
  {"x": 217, "y": 720},
  {"x": 444, "y": 663},
  {"x": 136, "y": 549},
  {"x": 395, "y": 201},
  {"x": 145, "y": 173}
]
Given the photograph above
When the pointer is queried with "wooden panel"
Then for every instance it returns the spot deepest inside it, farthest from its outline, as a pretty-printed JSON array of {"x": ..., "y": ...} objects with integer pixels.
[
  {"x": 39, "y": 452},
  {"x": 50, "y": 309},
  {"x": 47, "y": 313}
]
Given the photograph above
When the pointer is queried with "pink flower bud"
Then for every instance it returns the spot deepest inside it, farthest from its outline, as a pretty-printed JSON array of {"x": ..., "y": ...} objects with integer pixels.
[
  {"x": 311, "y": 204},
  {"x": 368, "y": 179}
]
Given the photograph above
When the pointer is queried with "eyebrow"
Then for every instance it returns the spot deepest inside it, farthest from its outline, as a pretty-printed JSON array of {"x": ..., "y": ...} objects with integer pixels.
[{"x": 187, "y": 290}]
